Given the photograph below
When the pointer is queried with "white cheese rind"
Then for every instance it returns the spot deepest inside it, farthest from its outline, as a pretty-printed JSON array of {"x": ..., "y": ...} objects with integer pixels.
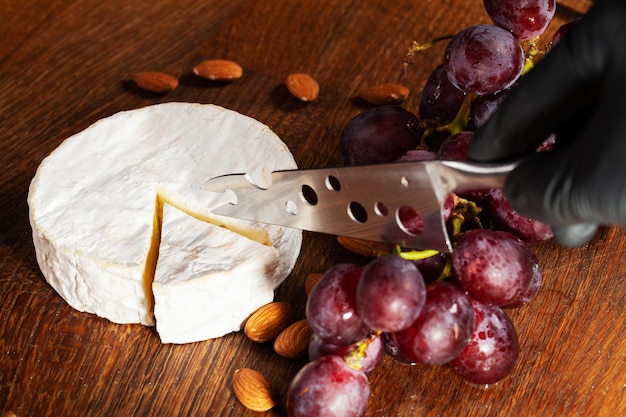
[{"x": 92, "y": 201}]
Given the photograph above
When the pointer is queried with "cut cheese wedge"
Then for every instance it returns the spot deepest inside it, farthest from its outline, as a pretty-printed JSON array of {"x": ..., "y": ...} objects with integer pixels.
[
  {"x": 196, "y": 280},
  {"x": 122, "y": 201}
]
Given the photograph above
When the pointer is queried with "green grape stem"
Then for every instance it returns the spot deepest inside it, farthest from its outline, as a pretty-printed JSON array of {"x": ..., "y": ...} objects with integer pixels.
[
  {"x": 533, "y": 52},
  {"x": 529, "y": 63},
  {"x": 416, "y": 255},
  {"x": 418, "y": 47},
  {"x": 465, "y": 211},
  {"x": 446, "y": 272},
  {"x": 354, "y": 358},
  {"x": 458, "y": 124}
]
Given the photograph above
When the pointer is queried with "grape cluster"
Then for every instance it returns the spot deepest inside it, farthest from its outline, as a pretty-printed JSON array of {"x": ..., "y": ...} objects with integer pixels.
[{"x": 418, "y": 307}]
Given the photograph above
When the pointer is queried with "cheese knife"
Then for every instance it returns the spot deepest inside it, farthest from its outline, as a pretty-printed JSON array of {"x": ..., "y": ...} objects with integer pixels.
[{"x": 398, "y": 203}]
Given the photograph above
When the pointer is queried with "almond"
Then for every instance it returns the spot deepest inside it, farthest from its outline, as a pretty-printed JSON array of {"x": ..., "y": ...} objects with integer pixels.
[
  {"x": 293, "y": 342},
  {"x": 385, "y": 94},
  {"x": 310, "y": 282},
  {"x": 267, "y": 322},
  {"x": 302, "y": 86},
  {"x": 218, "y": 70},
  {"x": 157, "y": 82},
  {"x": 253, "y": 390},
  {"x": 365, "y": 247}
]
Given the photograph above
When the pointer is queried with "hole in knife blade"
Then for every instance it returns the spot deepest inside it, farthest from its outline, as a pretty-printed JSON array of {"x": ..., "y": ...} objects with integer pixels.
[
  {"x": 357, "y": 212},
  {"x": 381, "y": 209},
  {"x": 291, "y": 207},
  {"x": 308, "y": 194},
  {"x": 332, "y": 183},
  {"x": 409, "y": 220}
]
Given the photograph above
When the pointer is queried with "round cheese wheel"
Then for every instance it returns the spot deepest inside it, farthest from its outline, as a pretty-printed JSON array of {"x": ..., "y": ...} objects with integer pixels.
[{"x": 122, "y": 228}]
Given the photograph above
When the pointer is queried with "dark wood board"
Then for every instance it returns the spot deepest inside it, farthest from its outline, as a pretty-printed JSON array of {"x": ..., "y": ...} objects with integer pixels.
[{"x": 64, "y": 64}]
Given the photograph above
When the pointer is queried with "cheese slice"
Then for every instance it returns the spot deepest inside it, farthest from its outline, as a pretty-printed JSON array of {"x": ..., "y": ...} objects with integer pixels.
[
  {"x": 203, "y": 288},
  {"x": 100, "y": 203}
]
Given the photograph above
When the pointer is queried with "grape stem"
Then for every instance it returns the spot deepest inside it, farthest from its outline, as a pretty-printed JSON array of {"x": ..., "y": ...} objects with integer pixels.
[
  {"x": 356, "y": 356},
  {"x": 462, "y": 117},
  {"x": 415, "y": 255},
  {"x": 532, "y": 52},
  {"x": 458, "y": 124},
  {"x": 446, "y": 271},
  {"x": 465, "y": 211},
  {"x": 418, "y": 47}
]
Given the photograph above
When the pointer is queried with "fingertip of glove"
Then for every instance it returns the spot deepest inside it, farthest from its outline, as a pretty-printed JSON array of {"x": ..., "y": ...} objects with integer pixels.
[
  {"x": 575, "y": 235},
  {"x": 475, "y": 150},
  {"x": 481, "y": 149}
]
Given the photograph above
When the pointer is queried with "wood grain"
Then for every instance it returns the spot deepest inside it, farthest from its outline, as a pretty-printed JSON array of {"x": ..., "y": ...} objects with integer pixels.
[{"x": 66, "y": 63}]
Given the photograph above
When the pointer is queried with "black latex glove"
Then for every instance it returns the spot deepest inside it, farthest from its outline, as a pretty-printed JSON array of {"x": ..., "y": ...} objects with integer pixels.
[{"x": 578, "y": 91}]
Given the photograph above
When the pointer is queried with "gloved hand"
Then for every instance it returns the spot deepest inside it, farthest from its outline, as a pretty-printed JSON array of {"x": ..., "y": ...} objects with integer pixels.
[{"x": 578, "y": 91}]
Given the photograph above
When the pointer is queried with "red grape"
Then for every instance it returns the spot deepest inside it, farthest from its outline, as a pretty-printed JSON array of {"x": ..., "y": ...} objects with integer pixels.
[
  {"x": 390, "y": 294},
  {"x": 417, "y": 155},
  {"x": 378, "y": 135},
  {"x": 440, "y": 100},
  {"x": 527, "y": 229},
  {"x": 563, "y": 30},
  {"x": 448, "y": 206},
  {"x": 484, "y": 106},
  {"x": 493, "y": 348},
  {"x": 326, "y": 387},
  {"x": 527, "y": 19},
  {"x": 454, "y": 148},
  {"x": 483, "y": 59},
  {"x": 391, "y": 348},
  {"x": 372, "y": 355},
  {"x": 532, "y": 289},
  {"x": 331, "y": 308},
  {"x": 431, "y": 267},
  {"x": 442, "y": 328},
  {"x": 493, "y": 266}
]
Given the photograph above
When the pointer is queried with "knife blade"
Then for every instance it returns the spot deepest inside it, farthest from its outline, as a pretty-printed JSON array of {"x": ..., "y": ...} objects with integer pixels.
[{"x": 398, "y": 203}]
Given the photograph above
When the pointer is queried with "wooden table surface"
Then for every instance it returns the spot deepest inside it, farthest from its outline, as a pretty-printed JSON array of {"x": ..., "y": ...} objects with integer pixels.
[{"x": 66, "y": 63}]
